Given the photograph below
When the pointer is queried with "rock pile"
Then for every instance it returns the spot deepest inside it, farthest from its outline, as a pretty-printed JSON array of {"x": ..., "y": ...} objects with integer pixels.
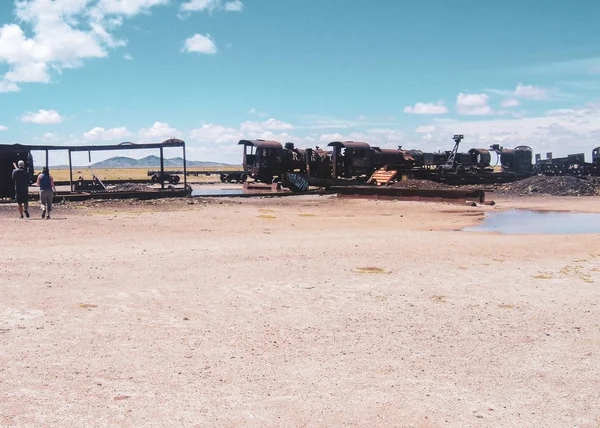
[
  {"x": 532, "y": 186},
  {"x": 553, "y": 186}
]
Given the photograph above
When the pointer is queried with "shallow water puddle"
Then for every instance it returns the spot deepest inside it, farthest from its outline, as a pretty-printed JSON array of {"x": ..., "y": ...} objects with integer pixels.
[{"x": 521, "y": 222}]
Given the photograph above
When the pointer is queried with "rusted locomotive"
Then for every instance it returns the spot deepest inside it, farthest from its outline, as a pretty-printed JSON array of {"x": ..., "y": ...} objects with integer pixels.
[
  {"x": 266, "y": 161},
  {"x": 352, "y": 161}
]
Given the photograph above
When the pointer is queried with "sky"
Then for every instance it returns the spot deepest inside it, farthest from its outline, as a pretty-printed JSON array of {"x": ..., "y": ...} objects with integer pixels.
[{"x": 388, "y": 72}]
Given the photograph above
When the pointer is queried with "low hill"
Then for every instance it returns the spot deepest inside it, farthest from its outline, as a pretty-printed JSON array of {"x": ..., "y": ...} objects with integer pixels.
[{"x": 149, "y": 162}]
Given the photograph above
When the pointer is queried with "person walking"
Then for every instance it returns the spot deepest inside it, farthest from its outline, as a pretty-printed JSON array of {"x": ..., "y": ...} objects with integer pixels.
[
  {"x": 21, "y": 179},
  {"x": 47, "y": 189}
]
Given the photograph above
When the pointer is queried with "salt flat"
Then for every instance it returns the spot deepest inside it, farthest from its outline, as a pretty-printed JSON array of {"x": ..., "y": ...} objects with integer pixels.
[{"x": 253, "y": 313}]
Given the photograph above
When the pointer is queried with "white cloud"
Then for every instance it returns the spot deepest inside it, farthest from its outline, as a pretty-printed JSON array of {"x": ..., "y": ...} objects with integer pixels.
[
  {"x": 201, "y": 44},
  {"x": 8, "y": 87},
  {"x": 3, "y": 128},
  {"x": 216, "y": 134},
  {"x": 562, "y": 132},
  {"x": 425, "y": 129},
  {"x": 473, "y": 104},
  {"x": 65, "y": 33},
  {"x": 219, "y": 153},
  {"x": 112, "y": 134},
  {"x": 375, "y": 137},
  {"x": 212, "y": 5},
  {"x": 48, "y": 137},
  {"x": 276, "y": 124},
  {"x": 127, "y": 57},
  {"x": 511, "y": 102},
  {"x": 579, "y": 66},
  {"x": 271, "y": 124},
  {"x": 28, "y": 72},
  {"x": 271, "y": 129},
  {"x": 329, "y": 123},
  {"x": 108, "y": 39},
  {"x": 158, "y": 132},
  {"x": 124, "y": 7},
  {"x": 43, "y": 117},
  {"x": 198, "y": 5},
  {"x": 471, "y": 100},
  {"x": 530, "y": 92},
  {"x": 254, "y": 111},
  {"x": 234, "y": 6},
  {"x": 427, "y": 108}
]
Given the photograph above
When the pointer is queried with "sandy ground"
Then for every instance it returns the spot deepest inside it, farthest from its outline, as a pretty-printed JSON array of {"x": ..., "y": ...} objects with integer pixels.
[{"x": 252, "y": 313}]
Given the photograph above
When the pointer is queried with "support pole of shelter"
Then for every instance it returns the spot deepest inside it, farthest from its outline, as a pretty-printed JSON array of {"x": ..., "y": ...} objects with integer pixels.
[
  {"x": 162, "y": 169},
  {"x": 70, "y": 171},
  {"x": 184, "y": 170},
  {"x": 46, "y": 158}
]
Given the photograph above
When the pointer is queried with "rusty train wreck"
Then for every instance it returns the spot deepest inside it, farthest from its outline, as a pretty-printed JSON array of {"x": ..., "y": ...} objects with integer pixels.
[{"x": 351, "y": 162}]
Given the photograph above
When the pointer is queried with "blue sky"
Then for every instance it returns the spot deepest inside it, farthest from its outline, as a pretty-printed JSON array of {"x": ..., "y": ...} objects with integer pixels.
[{"x": 211, "y": 72}]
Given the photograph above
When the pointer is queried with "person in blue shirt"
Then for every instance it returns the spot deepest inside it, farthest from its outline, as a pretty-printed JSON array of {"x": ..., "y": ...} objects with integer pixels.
[
  {"x": 47, "y": 190},
  {"x": 21, "y": 179}
]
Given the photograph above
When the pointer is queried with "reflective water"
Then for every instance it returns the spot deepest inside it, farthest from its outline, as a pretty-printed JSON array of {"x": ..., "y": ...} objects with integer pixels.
[{"x": 520, "y": 222}]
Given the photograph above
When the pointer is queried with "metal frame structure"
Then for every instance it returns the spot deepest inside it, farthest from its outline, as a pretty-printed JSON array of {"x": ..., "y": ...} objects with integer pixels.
[{"x": 173, "y": 142}]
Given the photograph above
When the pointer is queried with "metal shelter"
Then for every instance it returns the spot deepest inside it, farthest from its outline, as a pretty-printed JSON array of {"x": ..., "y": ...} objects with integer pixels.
[{"x": 173, "y": 142}]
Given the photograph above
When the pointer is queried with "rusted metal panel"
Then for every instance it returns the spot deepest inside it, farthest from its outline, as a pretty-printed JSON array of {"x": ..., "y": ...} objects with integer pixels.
[
  {"x": 150, "y": 194},
  {"x": 260, "y": 186},
  {"x": 349, "y": 144},
  {"x": 173, "y": 142},
  {"x": 261, "y": 143},
  {"x": 382, "y": 177}
]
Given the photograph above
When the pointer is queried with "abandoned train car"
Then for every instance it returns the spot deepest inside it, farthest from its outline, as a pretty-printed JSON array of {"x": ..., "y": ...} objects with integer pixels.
[{"x": 572, "y": 164}]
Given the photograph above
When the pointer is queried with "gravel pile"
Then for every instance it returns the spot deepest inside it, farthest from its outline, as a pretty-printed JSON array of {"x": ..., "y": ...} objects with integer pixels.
[
  {"x": 553, "y": 186},
  {"x": 532, "y": 186}
]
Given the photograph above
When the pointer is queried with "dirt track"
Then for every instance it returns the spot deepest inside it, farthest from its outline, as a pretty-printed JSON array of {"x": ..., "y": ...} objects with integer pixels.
[{"x": 252, "y": 313}]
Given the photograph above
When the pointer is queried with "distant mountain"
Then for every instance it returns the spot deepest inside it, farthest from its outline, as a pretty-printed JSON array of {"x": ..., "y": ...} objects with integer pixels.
[{"x": 149, "y": 162}]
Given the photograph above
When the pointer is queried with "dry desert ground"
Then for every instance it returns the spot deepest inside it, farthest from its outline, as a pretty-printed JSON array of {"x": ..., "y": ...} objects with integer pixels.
[{"x": 252, "y": 312}]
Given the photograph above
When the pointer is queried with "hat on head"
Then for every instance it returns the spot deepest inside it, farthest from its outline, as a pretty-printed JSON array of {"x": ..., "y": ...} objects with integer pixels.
[{"x": 21, "y": 164}]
